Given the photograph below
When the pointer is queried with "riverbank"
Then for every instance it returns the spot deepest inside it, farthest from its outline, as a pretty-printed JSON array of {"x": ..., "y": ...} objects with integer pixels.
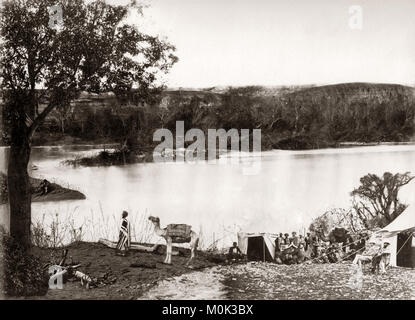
[
  {"x": 142, "y": 275},
  {"x": 370, "y": 144},
  {"x": 67, "y": 140},
  {"x": 133, "y": 274},
  {"x": 118, "y": 157},
  {"x": 56, "y": 193},
  {"x": 107, "y": 158}
]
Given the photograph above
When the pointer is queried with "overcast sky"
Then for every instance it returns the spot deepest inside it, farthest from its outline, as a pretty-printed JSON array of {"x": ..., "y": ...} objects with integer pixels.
[{"x": 276, "y": 42}]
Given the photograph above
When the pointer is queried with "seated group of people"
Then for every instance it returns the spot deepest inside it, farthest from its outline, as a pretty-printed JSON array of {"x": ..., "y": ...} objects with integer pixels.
[
  {"x": 293, "y": 249},
  {"x": 284, "y": 241}
]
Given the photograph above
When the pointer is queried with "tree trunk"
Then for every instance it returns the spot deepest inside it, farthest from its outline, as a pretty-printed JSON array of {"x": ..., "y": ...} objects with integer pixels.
[{"x": 19, "y": 188}]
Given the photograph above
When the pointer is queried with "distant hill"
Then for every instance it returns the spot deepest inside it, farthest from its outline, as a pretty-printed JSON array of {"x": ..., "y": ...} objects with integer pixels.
[
  {"x": 363, "y": 112},
  {"x": 342, "y": 89},
  {"x": 351, "y": 92},
  {"x": 303, "y": 117},
  {"x": 290, "y": 117}
]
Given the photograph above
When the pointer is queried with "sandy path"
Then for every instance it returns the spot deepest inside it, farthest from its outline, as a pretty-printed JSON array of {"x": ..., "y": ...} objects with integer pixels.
[
  {"x": 198, "y": 285},
  {"x": 276, "y": 282}
]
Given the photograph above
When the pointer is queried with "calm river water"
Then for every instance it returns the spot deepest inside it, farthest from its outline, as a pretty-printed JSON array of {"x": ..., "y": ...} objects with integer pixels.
[{"x": 289, "y": 189}]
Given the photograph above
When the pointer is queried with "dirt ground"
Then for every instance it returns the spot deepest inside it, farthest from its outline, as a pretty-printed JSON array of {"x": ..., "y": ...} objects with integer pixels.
[
  {"x": 98, "y": 260},
  {"x": 318, "y": 282},
  {"x": 143, "y": 276},
  {"x": 268, "y": 281}
]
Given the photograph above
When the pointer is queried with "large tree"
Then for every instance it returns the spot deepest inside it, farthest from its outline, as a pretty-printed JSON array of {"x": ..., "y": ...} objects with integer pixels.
[
  {"x": 376, "y": 199},
  {"x": 45, "y": 66}
]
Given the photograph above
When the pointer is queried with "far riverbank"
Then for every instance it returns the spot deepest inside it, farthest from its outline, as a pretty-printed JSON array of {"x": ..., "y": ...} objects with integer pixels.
[{"x": 121, "y": 157}]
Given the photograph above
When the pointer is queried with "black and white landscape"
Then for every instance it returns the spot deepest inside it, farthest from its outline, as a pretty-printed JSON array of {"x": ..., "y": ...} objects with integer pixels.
[{"x": 261, "y": 149}]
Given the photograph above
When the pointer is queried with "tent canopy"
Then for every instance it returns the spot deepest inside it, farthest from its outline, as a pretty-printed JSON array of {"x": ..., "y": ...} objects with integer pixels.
[
  {"x": 402, "y": 246},
  {"x": 405, "y": 222},
  {"x": 263, "y": 249}
]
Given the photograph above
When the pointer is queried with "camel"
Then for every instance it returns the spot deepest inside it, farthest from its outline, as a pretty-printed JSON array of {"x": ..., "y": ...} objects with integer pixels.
[{"x": 194, "y": 240}]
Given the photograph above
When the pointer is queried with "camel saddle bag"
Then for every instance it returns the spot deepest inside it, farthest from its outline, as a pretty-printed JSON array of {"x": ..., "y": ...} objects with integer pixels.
[{"x": 180, "y": 233}]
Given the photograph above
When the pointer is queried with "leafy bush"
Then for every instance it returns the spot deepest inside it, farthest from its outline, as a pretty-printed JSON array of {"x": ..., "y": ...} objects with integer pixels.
[{"x": 23, "y": 273}]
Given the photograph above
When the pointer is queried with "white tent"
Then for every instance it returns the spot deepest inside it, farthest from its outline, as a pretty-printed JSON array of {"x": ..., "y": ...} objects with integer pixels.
[
  {"x": 257, "y": 246},
  {"x": 400, "y": 234}
]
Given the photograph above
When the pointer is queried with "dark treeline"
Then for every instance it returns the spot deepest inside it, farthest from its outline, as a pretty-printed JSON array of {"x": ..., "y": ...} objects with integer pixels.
[{"x": 301, "y": 118}]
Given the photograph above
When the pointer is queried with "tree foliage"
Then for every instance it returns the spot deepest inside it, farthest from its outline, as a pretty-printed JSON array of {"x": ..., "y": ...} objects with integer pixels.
[
  {"x": 94, "y": 50},
  {"x": 336, "y": 218},
  {"x": 376, "y": 199},
  {"x": 45, "y": 67},
  {"x": 375, "y": 204}
]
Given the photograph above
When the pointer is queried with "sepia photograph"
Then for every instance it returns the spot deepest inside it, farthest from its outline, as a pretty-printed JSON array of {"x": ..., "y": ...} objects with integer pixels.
[{"x": 207, "y": 150}]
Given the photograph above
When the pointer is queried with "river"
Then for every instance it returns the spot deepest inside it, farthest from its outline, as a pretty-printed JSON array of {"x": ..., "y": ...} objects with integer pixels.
[{"x": 289, "y": 189}]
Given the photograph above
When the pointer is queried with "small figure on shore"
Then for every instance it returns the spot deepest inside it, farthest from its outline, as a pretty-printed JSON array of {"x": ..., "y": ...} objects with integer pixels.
[
  {"x": 382, "y": 259},
  {"x": 44, "y": 187},
  {"x": 234, "y": 253},
  {"x": 286, "y": 238},
  {"x": 301, "y": 255},
  {"x": 358, "y": 246},
  {"x": 295, "y": 240},
  {"x": 368, "y": 254},
  {"x": 333, "y": 253},
  {"x": 301, "y": 240},
  {"x": 278, "y": 243},
  {"x": 284, "y": 242},
  {"x": 307, "y": 240},
  {"x": 308, "y": 243},
  {"x": 316, "y": 246},
  {"x": 124, "y": 241}
]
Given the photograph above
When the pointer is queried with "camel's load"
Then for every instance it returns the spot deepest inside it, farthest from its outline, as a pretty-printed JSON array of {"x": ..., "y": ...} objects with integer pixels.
[{"x": 180, "y": 233}]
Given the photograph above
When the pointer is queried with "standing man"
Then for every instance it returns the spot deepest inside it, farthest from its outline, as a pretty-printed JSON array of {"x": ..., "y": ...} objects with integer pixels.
[
  {"x": 124, "y": 240},
  {"x": 315, "y": 243},
  {"x": 307, "y": 240},
  {"x": 301, "y": 239},
  {"x": 284, "y": 241},
  {"x": 278, "y": 243},
  {"x": 295, "y": 240}
]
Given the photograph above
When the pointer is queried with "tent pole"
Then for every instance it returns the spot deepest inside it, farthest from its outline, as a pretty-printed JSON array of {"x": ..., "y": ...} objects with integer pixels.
[{"x": 410, "y": 237}]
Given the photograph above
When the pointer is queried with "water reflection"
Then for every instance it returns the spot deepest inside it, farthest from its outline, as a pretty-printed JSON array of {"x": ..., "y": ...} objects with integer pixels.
[{"x": 291, "y": 188}]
